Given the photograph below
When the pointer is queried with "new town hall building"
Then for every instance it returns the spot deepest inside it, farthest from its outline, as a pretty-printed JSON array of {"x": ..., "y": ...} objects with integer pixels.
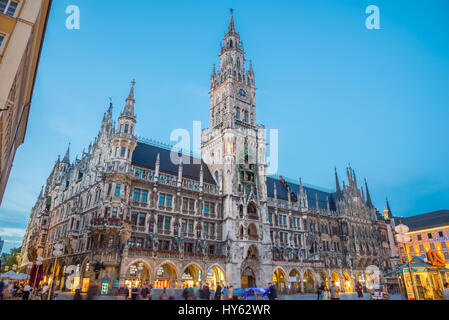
[{"x": 126, "y": 212}]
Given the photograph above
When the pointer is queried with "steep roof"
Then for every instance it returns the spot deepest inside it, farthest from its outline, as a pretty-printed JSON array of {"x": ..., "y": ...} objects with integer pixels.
[
  {"x": 311, "y": 193},
  {"x": 145, "y": 155},
  {"x": 426, "y": 220}
]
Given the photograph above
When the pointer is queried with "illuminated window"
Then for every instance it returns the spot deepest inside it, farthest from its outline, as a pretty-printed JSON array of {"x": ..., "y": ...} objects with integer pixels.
[
  {"x": 167, "y": 223},
  {"x": 142, "y": 219},
  {"x": 162, "y": 200},
  {"x": 117, "y": 190},
  {"x": 8, "y": 7},
  {"x": 136, "y": 195},
  {"x": 144, "y": 196}
]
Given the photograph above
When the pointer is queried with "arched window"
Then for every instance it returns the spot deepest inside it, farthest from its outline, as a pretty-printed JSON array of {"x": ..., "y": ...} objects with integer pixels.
[
  {"x": 230, "y": 43},
  {"x": 237, "y": 114},
  {"x": 216, "y": 178}
]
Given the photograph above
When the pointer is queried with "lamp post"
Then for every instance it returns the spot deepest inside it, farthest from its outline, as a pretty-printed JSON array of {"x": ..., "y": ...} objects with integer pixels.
[
  {"x": 38, "y": 264},
  {"x": 57, "y": 252},
  {"x": 403, "y": 238},
  {"x": 140, "y": 268}
]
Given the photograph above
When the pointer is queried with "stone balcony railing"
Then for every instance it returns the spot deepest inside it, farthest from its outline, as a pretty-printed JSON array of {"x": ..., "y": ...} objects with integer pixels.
[{"x": 164, "y": 178}]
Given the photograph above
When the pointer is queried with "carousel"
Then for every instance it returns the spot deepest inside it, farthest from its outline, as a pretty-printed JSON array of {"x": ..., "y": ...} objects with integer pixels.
[{"x": 422, "y": 279}]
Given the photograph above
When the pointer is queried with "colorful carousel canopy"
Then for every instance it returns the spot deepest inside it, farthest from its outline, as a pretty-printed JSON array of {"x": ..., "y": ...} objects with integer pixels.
[{"x": 417, "y": 264}]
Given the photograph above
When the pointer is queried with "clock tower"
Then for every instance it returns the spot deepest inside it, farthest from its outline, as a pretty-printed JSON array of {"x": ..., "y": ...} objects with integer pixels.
[{"x": 234, "y": 148}]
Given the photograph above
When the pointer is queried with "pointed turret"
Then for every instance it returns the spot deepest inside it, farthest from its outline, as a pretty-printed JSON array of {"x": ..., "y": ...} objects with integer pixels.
[
  {"x": 130, "y": 101},
  {"x": 275, "y": 191},
  {"x": 369, "y": 203},
  {"x": 390, "y": 214},
  {"x": 337, "y": 184},
  {"x": 250, "y": 71},
  {"x": 158, "y": 165},
  {"x": 201, "y": 176},
  {"x": 66, "y": 158},
  {"x": 41, "y": 195}
]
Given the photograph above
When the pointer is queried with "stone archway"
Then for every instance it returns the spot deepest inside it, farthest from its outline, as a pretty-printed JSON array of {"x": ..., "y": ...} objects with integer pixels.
[
  {"x": 325, "y": 279},
  {"x": 85, "y": 275},
  {"x": 138, "y": 273},
  {"x": 166, "y": 276},
  {"x": 192, "y": 276},
  {"x": 347, "y": 285},
  {"x": 215, "y": 275},
  {"x": 335, "y": 278},
  {"x": 279, "y": 279},
  {"x": 309, "y": 282},
  {"x": 295, "y": 281}
]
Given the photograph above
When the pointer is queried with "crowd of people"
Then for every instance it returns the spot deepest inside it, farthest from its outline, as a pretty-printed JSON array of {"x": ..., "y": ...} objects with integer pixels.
[
  {"x": 328, "y": 293},
  {"x": 14, "y": 290}
]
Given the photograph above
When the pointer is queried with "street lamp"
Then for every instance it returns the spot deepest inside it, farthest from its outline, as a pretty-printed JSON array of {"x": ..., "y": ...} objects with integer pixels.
[
  {"x": 57, "y": 252},
  {"x": 38, "y": 264},
  {"x": 140, "y": 268},
  {"x": 403, "y": 237}
]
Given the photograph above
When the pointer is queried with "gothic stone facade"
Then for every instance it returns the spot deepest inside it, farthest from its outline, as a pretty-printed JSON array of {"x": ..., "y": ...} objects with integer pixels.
[{"x": 125, "y": 210}]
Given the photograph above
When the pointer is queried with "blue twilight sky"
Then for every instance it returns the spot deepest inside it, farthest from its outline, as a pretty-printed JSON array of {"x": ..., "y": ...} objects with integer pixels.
[{"x": 338, "y": 92}]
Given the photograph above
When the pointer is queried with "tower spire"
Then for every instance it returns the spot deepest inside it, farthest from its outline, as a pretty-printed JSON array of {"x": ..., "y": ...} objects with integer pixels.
[
  {"x": 390, "y": 215},
  {"x": 369, "y": 203},
  {"x": 231, "y": 28},
  {"x": 337, "y": 183},
  {"x": 66, "y": 158},
  {"x": 129, "y": 107}
]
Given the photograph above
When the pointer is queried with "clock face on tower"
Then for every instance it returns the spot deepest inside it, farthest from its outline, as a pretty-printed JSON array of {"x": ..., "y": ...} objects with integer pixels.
[{"x": 243, "y": 93}]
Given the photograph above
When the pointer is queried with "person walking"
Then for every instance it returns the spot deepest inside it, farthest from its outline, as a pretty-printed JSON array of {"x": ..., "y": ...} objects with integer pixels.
[
  {"x": 2, "y": 286},
  {"x": 271, "y": 292},
  {"x": 231, "y": 293},
  {"x": 144, "y": 292},
  {"x": 206, "y": 292},
  {"x": 218, "y": 293},
  {"x": 26, "y": 292},
  {"x": 446, "y": 291},
  {"x": 320, "y": 290},
  {"x": 77, "y": 295},
  {"x": 92, "y": 292},
  {"x": 163, "y": 295},
  {"x": 335, "y": 291},
  {"x": 185, "y": 293},
  {"x": 359, "y": 289},
  {"x": 134, "y": 293},
  {"x": 44, "y": 292}
]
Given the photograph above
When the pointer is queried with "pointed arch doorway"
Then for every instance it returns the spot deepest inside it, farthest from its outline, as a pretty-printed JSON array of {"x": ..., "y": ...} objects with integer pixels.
[{"x": 248, "y": 278}]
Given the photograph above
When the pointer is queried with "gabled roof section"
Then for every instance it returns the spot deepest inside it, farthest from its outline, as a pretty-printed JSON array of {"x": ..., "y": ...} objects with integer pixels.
[
  {"x": 145, "y": 156},
  {"x": 311, "y": 193}
]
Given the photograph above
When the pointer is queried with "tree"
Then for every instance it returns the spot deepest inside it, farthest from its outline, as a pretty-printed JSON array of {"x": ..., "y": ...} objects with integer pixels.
[{"x": 11, "y": 259}]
